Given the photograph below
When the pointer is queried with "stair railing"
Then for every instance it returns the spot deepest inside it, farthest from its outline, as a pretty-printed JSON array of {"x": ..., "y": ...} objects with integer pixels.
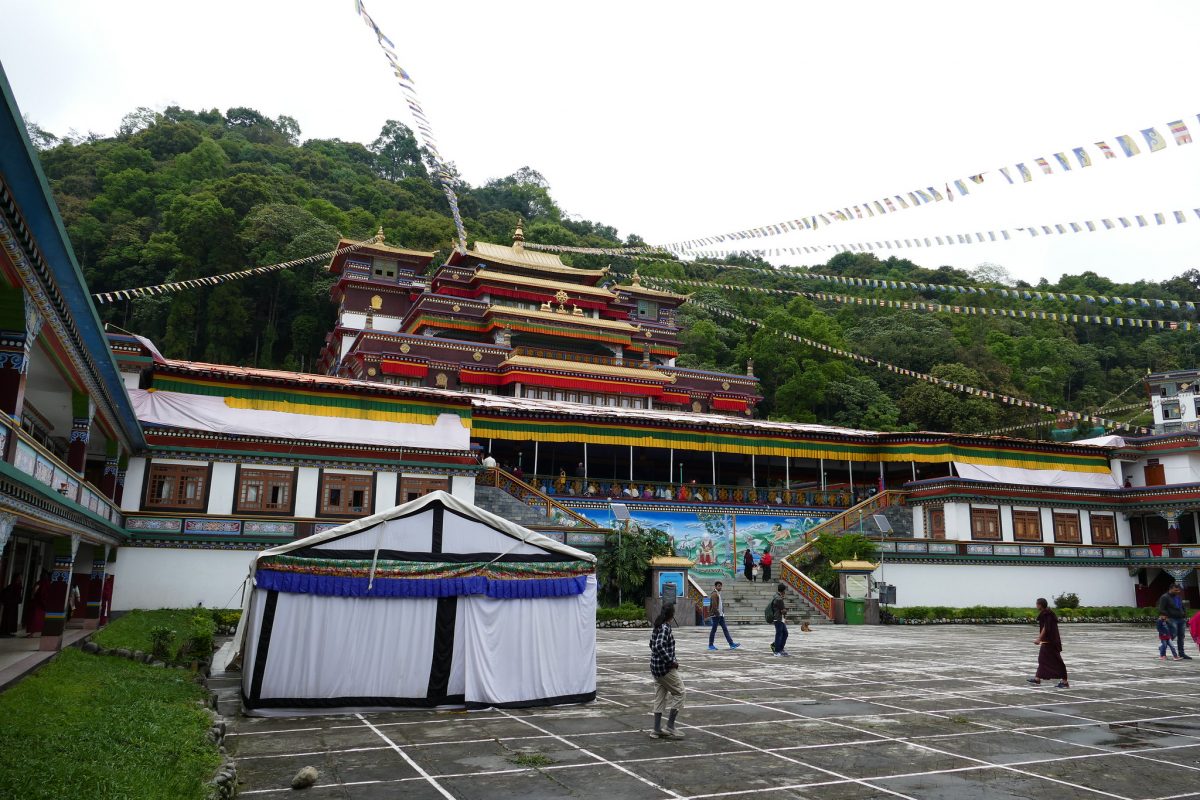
[
  {"x": 848, "y": 520},
  {"x": 534, "y": 498}
]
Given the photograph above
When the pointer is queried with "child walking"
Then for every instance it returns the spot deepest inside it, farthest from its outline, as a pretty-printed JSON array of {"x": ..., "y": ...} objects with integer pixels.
[{"x": 1166, "y": 636}]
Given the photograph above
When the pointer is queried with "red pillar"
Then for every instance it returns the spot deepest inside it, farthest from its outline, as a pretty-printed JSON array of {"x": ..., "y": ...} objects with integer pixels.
[
  {"x": 65, "y": 548},
  {"x": 108, "y": 481},
  {"x": 95, "y": 588}
]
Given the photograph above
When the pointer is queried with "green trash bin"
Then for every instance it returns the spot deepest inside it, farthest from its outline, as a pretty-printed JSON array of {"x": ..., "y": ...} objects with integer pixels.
[{"x": 856, "y": 610}]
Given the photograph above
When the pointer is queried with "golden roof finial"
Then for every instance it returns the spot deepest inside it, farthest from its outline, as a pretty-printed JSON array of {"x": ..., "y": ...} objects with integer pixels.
[
  {"x": 519, "y": 236},
  {"x": 636, "y": 280},
  {"x": 379, "y": 234}
]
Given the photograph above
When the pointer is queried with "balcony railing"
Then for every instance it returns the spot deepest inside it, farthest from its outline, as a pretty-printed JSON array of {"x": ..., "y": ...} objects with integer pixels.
[
  {"x": 31, "y": 458},
  {"x": 557, "y": 514},
  {"x": 574, "y": 488}
]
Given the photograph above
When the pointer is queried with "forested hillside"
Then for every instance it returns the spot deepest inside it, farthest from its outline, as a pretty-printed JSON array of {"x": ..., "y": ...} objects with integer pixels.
[{"x": 181, "y": 194}]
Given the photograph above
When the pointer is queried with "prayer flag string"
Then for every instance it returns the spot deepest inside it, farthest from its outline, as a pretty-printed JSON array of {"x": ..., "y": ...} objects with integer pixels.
[
  {"x": 213, "y": 280},
  {"x": 945, "y": 308},
  {"x": 423, "y": 126},
  {"x": 1081, "y": 156},
  {"x": 921, "y": 376}
]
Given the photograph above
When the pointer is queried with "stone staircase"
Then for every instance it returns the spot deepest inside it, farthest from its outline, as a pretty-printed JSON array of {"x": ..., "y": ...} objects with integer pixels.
[
  {"x": 503, "y": 504},
  {"x": 745, "y": 601}
]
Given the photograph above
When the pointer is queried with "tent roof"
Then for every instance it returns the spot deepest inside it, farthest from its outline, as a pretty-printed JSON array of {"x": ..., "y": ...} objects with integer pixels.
[{"x": 446, "y": 501}]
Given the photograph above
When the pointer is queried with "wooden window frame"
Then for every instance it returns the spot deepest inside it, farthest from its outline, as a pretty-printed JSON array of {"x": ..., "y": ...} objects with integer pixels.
[
  {"x": 288, "y": 511},
  {"x": 1063, "y": 515},
  {"x": 428, "y": 483},
  {"x": 980, "y": 512},
  {"x": 156, "y": 469},
  {"x": 1111, "y": 519},
  {"x": 1025, "y": 515},
  {"x": 323, "y": 485}
]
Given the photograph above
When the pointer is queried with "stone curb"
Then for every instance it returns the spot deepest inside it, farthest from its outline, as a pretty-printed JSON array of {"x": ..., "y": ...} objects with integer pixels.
[
  {"x": 223, "y": 784},
  {"x": 623, "y": 623},
  {"x": 1022, "y": 621}
]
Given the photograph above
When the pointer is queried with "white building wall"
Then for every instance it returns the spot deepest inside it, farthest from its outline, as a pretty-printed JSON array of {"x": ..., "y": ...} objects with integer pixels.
[
  {"x": 307, "y": 486},
  {"x": 1002, "y": 585},
  {"x": 135, "y": 477},
  {"x": 918, "y": 522},
  {"x": 463, "y": 487},
  {"x": 222, "y": 488},
  {"x": 386, "y": 484},
  {"x": 379, "y": 322},
  {"x": 1179, "y": 468},
  {"x": 152, "y": 577},
  {"x": 958, "y": 521}
]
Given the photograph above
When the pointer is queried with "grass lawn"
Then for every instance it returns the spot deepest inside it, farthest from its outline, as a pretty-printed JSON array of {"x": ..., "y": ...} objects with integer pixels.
[
  {"x": 104, "y": 727},
  {"x": 132, "y": 631}
]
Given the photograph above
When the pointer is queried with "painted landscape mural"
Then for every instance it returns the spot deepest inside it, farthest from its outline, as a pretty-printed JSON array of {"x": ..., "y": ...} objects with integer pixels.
[{"x": 708, "y": 538}]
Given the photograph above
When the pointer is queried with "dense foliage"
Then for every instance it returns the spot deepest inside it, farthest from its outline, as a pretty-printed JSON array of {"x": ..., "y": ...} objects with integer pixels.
[{"x": 182, "y": 194}]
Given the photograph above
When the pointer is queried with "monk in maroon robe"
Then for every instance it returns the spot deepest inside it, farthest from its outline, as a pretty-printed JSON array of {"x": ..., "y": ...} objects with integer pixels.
[
  {"x": 1050, "y": 662},
  {"x": 36, "y": 621}
]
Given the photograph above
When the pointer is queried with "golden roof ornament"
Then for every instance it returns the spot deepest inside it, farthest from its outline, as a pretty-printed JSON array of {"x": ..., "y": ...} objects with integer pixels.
[
  {"x": 379, "y": 234},
  {"x": 636, "y": 279},
  {"x": 519, "y": 237},
  {"x": 561, "y": 296}
]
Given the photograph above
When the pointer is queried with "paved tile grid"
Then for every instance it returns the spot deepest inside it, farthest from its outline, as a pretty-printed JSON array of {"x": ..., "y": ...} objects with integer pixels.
[{"x": 917, "y": 712}]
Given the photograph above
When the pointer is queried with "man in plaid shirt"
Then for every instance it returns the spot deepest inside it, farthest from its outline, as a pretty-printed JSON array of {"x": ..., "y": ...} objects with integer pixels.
[{"x": 668, "y": 692}]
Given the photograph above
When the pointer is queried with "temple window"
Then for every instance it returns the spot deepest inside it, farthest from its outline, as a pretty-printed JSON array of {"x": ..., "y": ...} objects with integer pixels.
[
  {"x": 647, "y": 309},
  {"x": 265, "y": 490},
  {"x": 345, "y": 495},
  {"x": 412, "y": 488},
  {"x": 1066, "y": 527},
  {"x": 1104, "y": 529},
  {"x": 383, "y": 268},
  {"x": 985, "y": 523},
  {"x": 177, "y": 486},
  {"x": 1027, "y": 526}
]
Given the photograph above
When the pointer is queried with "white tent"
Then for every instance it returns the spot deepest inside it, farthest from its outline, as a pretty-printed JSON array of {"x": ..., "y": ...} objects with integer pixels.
[{"x": 434, "y": 602}]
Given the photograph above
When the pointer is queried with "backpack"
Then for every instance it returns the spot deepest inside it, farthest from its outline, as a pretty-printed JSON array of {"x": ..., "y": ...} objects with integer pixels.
[{"x": 769, "y": 611}]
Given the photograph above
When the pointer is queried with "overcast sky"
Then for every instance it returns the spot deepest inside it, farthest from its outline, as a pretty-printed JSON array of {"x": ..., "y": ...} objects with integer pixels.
[{"x": 677, "y": 120}]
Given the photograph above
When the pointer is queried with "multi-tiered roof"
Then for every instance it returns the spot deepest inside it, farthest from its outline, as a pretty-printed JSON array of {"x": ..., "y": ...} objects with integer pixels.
[{"x": 497, "y": 319}]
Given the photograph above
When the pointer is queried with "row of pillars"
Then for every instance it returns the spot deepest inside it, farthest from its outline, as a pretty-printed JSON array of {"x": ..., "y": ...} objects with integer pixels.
[
  {"x": 20, "y": 326},
  {"x": 55, "y": 594}
]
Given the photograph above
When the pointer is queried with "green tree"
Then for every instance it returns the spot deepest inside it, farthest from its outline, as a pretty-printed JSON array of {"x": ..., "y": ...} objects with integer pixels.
[{"x": 623, "y": 569}]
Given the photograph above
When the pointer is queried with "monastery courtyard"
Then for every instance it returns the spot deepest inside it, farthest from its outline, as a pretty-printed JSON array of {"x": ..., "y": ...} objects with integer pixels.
[{"x": 866, "y": 712}]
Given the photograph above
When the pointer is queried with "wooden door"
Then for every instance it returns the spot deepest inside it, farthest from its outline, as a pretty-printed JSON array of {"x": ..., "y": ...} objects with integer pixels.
[
  {"x": 937, "y": 523},
  {"x": 1155, "y": 475}
]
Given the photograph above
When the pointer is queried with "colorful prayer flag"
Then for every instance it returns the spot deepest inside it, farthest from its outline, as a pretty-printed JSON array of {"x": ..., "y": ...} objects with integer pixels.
[
  {"x": 1004, "y": 172},
  {"x": 962, "y": 187},
  {"x": 1106, "y": 150},
  {"x": 1062, "y": 160},
  {"x": 936, "y": 194},
  {"x": 1128, "y": 145},
  {"x": 977, "y": 178},
  {"x": 1084, "y": 159},
  {"x": 1182, "y": 135},
  {"x": 1026, "y": 175},
  {"x": 1154, "y": 140},
  {"x": 1045, "y": 165}
]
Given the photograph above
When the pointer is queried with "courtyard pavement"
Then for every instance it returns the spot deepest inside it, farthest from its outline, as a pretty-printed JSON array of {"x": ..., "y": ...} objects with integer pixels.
[{"x": 858, "y": 712}]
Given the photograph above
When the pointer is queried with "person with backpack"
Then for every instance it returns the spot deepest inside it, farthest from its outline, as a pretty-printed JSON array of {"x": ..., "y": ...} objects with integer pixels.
[
  {"x": 766, "y": 564},
  {"x": 777, "y": 612}
]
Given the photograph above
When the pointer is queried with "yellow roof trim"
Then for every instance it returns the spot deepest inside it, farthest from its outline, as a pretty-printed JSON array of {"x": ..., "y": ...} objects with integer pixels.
[
  {"x": 651, "y": 292},
  {"x": 492, "y": 275},
  {"x": 386, "y": 248},
  {"x": 550, "y": 316},
  {"x": 595, "y": 369},
  {"x": 529, "y": 258}
]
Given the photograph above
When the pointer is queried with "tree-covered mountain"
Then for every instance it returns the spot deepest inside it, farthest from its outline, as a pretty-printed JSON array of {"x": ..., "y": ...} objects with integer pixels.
[{"x": 182, "y": 194}]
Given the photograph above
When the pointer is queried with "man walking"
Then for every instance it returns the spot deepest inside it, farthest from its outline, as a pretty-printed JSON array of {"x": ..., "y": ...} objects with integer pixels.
[
  {"x": 779, "y": 607},
  {"x": 1171, "y": 604},
  {"x": 716, "y": 613}
]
